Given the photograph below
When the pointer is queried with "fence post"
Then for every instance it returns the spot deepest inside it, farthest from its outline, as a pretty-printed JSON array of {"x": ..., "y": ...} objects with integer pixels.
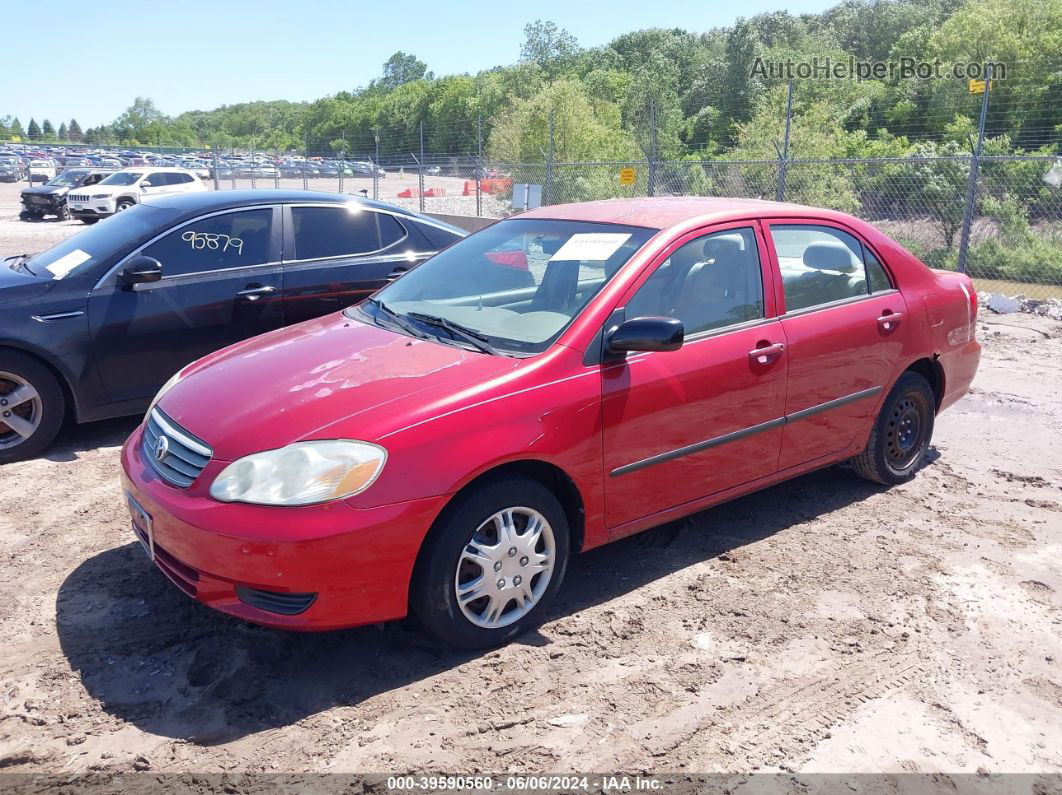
[
  {"x": 420, "y": 167},
  {"x": 305, "y": 162},
  {"x": 783, "y": 165},
  {"x": 479, "y": 164},
  {"x": 217, "y": 184},
  {"x": 254, "y": 167},
  {"x": 975, "y": 167},
  {"x": 547, "y": 197},
  {"x": 375, "y": 169},
  {"x": 650, "y": 186}
]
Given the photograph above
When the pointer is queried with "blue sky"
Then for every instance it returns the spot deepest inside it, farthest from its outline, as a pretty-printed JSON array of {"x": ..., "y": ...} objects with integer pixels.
[{"x": 92, "y": 59}]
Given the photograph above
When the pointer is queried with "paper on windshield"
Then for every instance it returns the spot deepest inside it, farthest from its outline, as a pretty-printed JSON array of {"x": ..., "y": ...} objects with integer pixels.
[
  {"x": 68, "y": 262},
  {"x": 593, "y": 246}
]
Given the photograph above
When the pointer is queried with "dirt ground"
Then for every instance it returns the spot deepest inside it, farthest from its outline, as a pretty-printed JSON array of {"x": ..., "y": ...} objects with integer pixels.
[{"x": 823, "y": 625}]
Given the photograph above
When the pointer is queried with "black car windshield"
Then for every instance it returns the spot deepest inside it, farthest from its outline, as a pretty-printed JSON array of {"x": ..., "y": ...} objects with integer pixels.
[
  {"x": 122, "y": 178},
  {"x": 516, "y": 285},
  {"x": 66, "y": 178},
  {"x": 80, "y": 252}
]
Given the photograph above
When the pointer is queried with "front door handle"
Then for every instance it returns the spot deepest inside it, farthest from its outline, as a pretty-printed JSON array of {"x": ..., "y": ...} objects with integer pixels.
[
  {"x": 254, "y": 292},
  {"x": 396, "y": 273},
  {"x": 890, "y": 320},
  {"x": 767, "y": 353}
]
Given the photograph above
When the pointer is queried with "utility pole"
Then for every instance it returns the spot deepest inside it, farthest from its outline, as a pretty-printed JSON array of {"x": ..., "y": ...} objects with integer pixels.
[
  {"x": 479, "y": 163},
  {"x": 783, "y": 166},
  {"x": 650, "y": 188},
  {"x": 975, "y": 167}
]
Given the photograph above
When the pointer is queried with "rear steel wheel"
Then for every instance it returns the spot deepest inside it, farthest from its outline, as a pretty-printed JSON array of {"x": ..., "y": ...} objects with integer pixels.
[{"x": 902, "y": 432}]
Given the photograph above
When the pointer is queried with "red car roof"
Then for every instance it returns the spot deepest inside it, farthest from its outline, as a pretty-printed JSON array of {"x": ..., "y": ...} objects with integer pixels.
[{"x": 666, "y": 211}]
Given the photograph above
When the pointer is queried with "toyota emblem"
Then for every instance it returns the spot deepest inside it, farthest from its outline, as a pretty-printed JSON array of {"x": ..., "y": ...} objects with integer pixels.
[{"x": 162, "y": 446}]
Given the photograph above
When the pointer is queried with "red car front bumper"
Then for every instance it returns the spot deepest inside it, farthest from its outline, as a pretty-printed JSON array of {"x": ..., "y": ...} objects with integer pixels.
[{"x": 356, "y": 563}]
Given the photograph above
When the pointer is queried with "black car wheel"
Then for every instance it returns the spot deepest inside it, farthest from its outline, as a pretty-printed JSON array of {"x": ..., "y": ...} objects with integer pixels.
[
  {"x": 901, "y": 435},
  {"x": 63, "y": 214},
  {"x": 31, "y": 406},
  {"x": 88, "y": 219},
  {"x": 123, "y": 204},
  {"x": 492, "y": 564}
]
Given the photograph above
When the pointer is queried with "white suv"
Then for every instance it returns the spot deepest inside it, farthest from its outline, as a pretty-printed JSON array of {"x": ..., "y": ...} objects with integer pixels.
[{"x": 122, "y": 189}]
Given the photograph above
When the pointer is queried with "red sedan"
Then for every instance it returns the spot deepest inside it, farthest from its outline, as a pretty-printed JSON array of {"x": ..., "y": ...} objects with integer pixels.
[{"x": 551, "y": 383}]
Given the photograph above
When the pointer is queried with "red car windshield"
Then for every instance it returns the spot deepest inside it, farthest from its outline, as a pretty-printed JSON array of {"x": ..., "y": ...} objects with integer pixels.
[{"x": 517, "y": 284}]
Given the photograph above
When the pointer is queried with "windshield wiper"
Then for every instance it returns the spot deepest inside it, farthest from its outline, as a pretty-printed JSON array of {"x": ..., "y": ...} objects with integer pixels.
[
  {"x": 473, "y": 338},
  {"x": 20, "y": 263},
  {"x": 396, "y": 318}
]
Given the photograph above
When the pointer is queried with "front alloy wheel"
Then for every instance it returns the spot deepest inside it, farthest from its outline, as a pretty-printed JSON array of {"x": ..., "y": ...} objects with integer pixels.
[{"x": 31, "y": 406}]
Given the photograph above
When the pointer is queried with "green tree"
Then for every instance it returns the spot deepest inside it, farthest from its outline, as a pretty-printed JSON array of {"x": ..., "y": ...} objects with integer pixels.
[
  {"x": 402, "y": 68},
  {"x": 64, "y": 133},
  {"x": 47, "y": 131},
  {"x": 16, "y": 127},
  {"x": 34, "y": 130},
  {"x": 74, "y": 131},
  {"x": 550, "y": 47},
  {"x": 138, "y": 121}
]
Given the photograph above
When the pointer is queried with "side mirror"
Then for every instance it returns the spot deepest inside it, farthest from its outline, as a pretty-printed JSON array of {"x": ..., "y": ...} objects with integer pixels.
[
  {"x": 144, "y": 186},
  {"x": 141, "y": 270},
  {"x": 645, "y": 334}
]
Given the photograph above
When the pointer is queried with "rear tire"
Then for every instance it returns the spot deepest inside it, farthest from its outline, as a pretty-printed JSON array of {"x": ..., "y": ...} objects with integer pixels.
[
  {"x": 901, "y": 434},
  {"x": 508, "y": 541},
  {"x": 87, "y": 220},
  {"x": 31, "y": 406}
]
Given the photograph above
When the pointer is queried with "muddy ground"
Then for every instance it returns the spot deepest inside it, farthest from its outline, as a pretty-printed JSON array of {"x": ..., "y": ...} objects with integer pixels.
[{"x": 823, "y": 625}]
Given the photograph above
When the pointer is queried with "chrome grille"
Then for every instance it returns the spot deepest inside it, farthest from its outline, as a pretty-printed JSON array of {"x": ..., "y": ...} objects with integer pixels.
[
  {"x": 180, "y": 458},
  {"x": 78, "y": 197}
]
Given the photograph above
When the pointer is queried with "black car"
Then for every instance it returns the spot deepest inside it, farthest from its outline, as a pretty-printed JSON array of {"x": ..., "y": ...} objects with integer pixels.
[
  {"x": 95, "y": 325},
  {"x": 50, "y": 198}
]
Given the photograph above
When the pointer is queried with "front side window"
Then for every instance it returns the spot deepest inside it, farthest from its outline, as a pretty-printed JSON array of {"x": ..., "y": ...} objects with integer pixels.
[
  {"x": 230, "y": 240},
  {"x": 820, "y": 265},
  {"x": 516, "y": 284},
  {"x": 341, "y": 231},
  {"x": 708, "y": 283},
  {"x": 157, "y": 180},
  {"x": 123, "y": 178}
]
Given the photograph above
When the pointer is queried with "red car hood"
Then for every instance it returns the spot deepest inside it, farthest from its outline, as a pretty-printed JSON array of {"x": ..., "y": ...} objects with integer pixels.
[{"x": 289, "y": 384}]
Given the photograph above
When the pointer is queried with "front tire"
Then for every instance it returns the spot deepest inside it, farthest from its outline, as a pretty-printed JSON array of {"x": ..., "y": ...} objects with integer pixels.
[
  {"x": 902, "y": 432},
  {"x": 492, "y": 564},
  {"x": 31, "y": 406},
  {"x": 89, "y": 220},
  {"x": 123, "y": 204}
]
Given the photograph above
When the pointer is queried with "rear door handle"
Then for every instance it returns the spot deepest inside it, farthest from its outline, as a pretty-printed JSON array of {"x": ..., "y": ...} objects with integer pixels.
[
  {"x": 890, "y": 320},
  {"x": 767, "y": 353},
  {"x": 253, "y": 293}
]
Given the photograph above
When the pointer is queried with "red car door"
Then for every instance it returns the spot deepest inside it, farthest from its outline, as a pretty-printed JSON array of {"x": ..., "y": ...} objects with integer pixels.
[
  {"x": 681, "y": 425},
  {"x": 844, "y": 325}
]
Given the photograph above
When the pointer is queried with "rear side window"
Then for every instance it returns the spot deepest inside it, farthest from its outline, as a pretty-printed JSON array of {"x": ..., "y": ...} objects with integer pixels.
[
  {"x": 229, "y": 240},
  {"x": 322, "y": 232},
  {"x": 820, "y": 265},
  {"x": 391, "y": 231},
  {"x": 439, "y": 238},
  {"x": 877, "y": 278}
]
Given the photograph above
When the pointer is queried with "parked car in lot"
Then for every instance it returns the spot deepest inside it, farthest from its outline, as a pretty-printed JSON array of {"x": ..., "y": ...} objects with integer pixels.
[
  {"x": 123, "y": 189},
  {"x": 367, "y": 169},
  {"x": 11, "y": 170},
  {"x": 443, "y": 448},
  {"x": 106, "y": 316},
  {"x": 50, "y": 198},
  {"x": 40, "y": 170}
]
